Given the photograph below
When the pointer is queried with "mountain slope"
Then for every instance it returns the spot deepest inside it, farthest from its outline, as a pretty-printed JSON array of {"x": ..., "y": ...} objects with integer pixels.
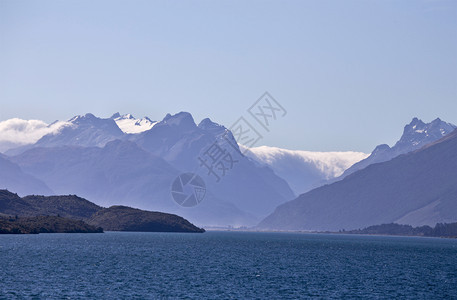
[
  {"x": 419, "y": 188},
  {"x": 304, "y": 170},
  {"x": 122, "y": 173},
  {"x": 252, "y": 188},
  {"x": 415, "y": 135},
  {"x": 119, "y": 173},
  {"x": 12, "y": 177}
]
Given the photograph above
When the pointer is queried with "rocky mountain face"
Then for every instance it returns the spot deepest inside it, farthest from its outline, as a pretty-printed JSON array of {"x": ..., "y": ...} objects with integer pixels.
[{"x": 417, "y": 188}]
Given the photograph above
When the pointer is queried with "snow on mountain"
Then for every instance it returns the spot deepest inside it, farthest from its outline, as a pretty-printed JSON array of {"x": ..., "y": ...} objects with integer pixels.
[
  {"x": 18, "y": 132},
  {"x": 129, "y": 124},
  {"x": 304, "y": 170}
]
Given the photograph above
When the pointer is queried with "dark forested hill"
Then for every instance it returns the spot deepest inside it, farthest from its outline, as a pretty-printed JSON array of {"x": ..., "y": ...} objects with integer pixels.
[
  {"x": 68, "y": 209},
  {"x": 44, "y": 224},
  {"x": 122, "y": 218}
]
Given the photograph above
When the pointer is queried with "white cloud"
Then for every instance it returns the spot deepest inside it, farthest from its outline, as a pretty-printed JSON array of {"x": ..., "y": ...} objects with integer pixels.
[
  {"x": 304, "y": 170},
  {"x": 332, "y": 164},
  {"x": 17, "y": 132}
]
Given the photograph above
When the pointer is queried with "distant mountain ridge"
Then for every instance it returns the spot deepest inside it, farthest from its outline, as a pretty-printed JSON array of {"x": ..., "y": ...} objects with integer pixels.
[
  {"x": 417, "y": 188},
  {"x": 415, "y": 135}
]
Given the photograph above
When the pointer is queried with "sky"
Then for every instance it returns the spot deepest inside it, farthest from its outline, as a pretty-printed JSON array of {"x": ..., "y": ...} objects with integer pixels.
[{"x": 350, "y": 74}]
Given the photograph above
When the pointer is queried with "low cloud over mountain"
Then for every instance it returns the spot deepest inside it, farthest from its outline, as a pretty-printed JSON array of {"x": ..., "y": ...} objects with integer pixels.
[
  {"x": 17, "y": 132},
  {"x": 304, "y": 170}
]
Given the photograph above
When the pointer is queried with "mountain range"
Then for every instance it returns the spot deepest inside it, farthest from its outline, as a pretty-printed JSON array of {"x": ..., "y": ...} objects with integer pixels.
[
  {"x": 415, "y": 135},
  {"x": 126, "y": 161},
  {"x": 94, "y": 158}
]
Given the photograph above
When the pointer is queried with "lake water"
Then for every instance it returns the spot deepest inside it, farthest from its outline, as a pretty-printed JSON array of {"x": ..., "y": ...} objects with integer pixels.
[{"x": 226, "y": 265}]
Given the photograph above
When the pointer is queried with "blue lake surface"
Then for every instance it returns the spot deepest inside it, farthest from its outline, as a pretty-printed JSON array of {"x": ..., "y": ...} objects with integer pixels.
[{"x": 226, "y": 265}]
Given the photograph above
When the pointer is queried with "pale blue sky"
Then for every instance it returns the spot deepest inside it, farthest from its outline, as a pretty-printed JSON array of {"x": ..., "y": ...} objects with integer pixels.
[{"x": 349, "y": 73}]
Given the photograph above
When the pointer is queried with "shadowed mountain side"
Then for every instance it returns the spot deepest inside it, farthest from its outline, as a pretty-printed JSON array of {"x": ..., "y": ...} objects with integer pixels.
[
  {"x": 13, "y": 177},
  {"x": 254, "y": 189},
  {"x": 381, "y": 193},
  {"x": 119, "y": 173}
]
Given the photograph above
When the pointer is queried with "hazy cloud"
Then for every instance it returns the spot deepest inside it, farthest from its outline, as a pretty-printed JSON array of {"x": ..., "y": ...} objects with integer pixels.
[{"x": 17, "y": 132}]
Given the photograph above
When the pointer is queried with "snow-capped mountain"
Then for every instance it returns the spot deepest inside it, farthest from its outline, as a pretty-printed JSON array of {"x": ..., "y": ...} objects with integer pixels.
[
  {"x": 84, "y": 131},
  {"x": 415, "y": 135},
  {"x": 304, "y": 170},
  {"x": 129, "y": 124},
  {"x": 90, "y": 159}
]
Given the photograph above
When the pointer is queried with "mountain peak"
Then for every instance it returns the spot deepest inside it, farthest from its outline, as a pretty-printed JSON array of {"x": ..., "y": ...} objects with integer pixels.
[
  {"x": 87, "y": 117},
  {"x": 415, "y": 135},
  {"x": 207, "y": 124},
  {"x": 418, "y": 133},
  {"x": 415, "y": 122},
  {"x": 179, "y": 119},
  {"x": 116, "y": 115}
]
